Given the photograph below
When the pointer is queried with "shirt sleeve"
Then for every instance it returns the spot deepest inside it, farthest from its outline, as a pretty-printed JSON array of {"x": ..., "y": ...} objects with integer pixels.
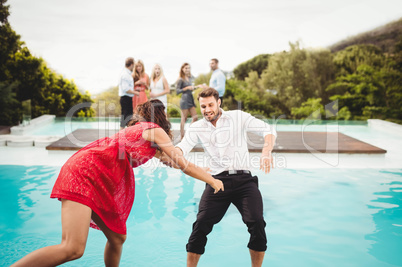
[
  {"x": 126, "y": 84},
  {"x": 189, "y": 141},
  {"x": 257, "y": 126},
  {"x": 219, "y": 85},
  {"x": 179, "y": 86}
]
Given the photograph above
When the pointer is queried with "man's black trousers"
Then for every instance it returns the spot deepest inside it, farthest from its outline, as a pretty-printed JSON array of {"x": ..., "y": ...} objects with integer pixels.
[{"x": 241, "y": 190}]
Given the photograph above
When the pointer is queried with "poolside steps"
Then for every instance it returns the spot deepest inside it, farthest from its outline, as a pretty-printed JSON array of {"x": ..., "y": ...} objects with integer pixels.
[
  {"x": 33, "y": 124},
  {"x": 26, "y": 141},
  {"x": 287, "y": 142}
]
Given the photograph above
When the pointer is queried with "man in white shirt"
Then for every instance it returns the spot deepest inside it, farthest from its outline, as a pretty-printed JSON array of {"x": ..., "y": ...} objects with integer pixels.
[
  {"x": 126, "y": 92},
  {"x": 223, "y": 135},
  {"x": 218, "y": 79}
]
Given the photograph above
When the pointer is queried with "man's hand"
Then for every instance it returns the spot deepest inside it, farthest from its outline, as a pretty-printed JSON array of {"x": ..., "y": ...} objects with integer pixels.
[
  {"x": 217, "y": 185},
  {"x": 266, "y": 162}
]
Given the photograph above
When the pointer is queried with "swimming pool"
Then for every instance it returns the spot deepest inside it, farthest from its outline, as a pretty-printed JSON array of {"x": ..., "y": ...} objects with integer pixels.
[
  {"x": 64, "y": 126},
  {"x": 315, "y": 217}
]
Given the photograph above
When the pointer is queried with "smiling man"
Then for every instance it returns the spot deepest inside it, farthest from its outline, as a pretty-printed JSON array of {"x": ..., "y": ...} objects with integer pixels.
[{"x": 223, "y": 134}]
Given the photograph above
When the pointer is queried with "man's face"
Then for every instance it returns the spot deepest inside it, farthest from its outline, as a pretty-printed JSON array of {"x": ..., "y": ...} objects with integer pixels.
[
  {"x": 213, "y": 65},
  {"x": 131, "y": 67},
  {"x": 209, "y": 108}
]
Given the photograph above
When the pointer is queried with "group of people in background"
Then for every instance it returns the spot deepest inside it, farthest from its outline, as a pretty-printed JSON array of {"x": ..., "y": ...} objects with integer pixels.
[{"x": 134, "y": 82}]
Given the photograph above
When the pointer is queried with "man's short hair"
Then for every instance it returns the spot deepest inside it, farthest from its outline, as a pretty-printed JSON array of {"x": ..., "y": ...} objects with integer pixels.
[
  {"x": 209, "y": 92},
  {"x": 129, "y": 61},
  {"x": 216, "y": 60}
]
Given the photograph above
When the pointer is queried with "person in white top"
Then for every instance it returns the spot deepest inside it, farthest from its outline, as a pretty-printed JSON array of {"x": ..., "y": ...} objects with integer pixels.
[
  {"x": 126, "y": 92},
  {"x": 218, "y": 79},
  {"x": 223, "y": 135},
  {"x": 159, "y": 85}
]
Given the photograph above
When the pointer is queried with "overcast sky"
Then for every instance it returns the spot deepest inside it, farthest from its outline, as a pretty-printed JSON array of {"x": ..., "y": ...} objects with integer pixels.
[{"x": 88, "y": 40}]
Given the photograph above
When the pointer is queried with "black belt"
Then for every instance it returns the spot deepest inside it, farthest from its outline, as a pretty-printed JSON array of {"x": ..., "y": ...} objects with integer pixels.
[{"x": 233, "y": 172}]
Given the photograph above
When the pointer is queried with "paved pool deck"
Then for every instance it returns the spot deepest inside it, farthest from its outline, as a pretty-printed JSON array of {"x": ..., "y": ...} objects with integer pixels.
[
  {"x": 287, "y": 142},
  {"x": 386, "y": 137}
]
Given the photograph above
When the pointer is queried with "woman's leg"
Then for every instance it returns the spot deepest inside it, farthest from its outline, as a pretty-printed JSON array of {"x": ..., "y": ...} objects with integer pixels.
[
  {"x": 114, "y": 244},
  {"x": 194, "y": 115},
  {"x": 75, "y": 220},
  {"x": 184, "y": 114}
]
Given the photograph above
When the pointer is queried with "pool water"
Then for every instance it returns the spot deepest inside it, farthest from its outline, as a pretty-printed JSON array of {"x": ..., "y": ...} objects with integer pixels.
[
  {"x": 315, "y": 217},
  {"x": 64, "y": 126}
]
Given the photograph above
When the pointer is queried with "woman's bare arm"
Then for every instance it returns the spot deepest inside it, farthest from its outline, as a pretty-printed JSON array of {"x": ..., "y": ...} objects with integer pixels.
[{"x": 159, "y": 136}]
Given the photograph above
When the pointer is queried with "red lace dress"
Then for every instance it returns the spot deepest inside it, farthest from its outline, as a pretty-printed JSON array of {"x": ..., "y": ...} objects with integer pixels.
[
  {"x": 142, "y": 98},
  {"x": 101, "y": 176}
]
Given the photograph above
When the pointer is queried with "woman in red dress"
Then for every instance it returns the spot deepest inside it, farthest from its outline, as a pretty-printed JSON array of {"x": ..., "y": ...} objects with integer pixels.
[
  {"x": 96, "y": 186},
  {"x": 141, "y": 83}
]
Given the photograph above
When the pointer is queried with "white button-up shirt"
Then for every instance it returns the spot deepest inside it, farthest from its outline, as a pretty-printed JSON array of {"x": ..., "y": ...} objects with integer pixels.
[
  {"x": 225, "y": 145},
  {"x": 126, "y": 83},
  {"x": 218, "y": 81}
]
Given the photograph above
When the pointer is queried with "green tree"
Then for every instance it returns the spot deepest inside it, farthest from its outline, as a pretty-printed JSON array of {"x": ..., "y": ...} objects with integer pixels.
[
  {"x": 311, "y": 108},
  {"x": 358, "y": 90},
  {"x": 8, "y": 105},
  {"x": 258, "y": 63},
  {"x": 249, "y": 96},
  {"x": 298, "y": 75},
  {"x": 203, "y": 78},
  {"x": 23, "y": 76},
  {"x": 368, "y": 83},
  {"x": 348, "y": 60},
  {"x": 107, "y": 103}
]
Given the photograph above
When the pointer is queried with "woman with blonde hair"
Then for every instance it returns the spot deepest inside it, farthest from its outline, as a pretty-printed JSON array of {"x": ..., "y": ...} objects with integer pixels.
[
  {"x": 159, "y": 85},
  {"x": 141, "y": 83},
  {"x": 184, "y": 86}
]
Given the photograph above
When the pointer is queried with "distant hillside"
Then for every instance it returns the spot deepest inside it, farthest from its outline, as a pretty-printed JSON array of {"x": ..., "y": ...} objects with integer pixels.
[{"x": 385, "y": 37}]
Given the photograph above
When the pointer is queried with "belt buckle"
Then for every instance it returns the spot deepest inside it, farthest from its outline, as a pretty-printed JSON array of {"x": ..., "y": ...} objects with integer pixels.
[{"x": 230, "y": 172}]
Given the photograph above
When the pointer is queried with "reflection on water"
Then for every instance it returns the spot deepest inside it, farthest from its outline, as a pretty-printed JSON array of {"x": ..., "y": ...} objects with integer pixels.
[
  {"x": 157, "y": 194},
  {"x": 150, "y": 196},
  {"x": 388, "y": 222},
  {"x": 186, "y": 198}
]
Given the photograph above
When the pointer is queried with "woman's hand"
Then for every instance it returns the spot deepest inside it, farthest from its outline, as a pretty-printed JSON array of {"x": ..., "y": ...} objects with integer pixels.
[
  {"x": 217, "y": 185},
  {"x": 203, "y": 86}
]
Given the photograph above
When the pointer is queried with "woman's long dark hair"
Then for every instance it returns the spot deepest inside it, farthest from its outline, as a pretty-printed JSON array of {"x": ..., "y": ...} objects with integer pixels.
[{"x": 152, "y": 111}]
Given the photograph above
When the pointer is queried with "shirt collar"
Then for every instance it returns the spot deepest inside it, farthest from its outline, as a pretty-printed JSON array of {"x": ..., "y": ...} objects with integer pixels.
[{"x": 224, "y": 115}]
